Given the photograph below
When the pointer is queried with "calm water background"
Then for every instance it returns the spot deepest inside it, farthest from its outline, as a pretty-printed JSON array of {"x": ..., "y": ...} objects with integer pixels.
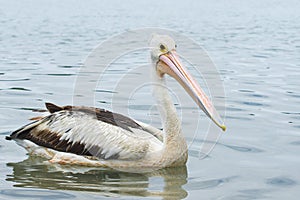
[{"x": 256, "y": 47}]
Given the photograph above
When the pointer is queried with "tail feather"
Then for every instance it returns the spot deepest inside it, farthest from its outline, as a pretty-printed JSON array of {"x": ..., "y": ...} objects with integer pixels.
[
  {"x": 52, "y": 108},
  {"x": 8, "y": 138}
]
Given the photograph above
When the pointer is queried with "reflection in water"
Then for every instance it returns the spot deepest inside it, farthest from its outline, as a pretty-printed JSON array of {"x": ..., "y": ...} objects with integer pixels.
[{"x": 35, "y": 173}]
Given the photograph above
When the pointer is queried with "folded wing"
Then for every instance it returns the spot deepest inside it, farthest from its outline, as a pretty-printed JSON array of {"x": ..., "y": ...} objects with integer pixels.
[{"x": 90, "y": 132}]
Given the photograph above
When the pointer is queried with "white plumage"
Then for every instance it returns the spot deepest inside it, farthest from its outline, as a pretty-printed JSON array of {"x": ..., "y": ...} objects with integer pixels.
[{"x": 97, "y": 137}]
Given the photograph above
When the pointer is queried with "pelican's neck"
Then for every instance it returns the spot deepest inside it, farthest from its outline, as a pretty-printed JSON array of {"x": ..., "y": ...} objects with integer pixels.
[{"x": 174, "y": 142}]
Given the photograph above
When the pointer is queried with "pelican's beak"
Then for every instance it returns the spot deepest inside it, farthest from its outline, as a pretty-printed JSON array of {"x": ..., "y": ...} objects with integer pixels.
[{"x": 169, "y": 63}]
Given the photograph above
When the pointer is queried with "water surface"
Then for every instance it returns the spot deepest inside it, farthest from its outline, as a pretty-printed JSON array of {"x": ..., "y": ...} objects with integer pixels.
[{"x": 256, "y": 47}]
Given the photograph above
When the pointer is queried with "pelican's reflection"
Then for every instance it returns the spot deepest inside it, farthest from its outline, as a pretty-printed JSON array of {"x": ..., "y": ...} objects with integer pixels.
[{"x": 35, "y": 173}]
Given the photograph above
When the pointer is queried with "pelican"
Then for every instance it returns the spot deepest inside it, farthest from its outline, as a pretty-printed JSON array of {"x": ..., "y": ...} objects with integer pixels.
[{"x": 98, "y": 137}]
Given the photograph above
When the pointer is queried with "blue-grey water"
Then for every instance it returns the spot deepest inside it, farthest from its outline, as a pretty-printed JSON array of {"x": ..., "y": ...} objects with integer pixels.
[{"x": 256, "y": 47}]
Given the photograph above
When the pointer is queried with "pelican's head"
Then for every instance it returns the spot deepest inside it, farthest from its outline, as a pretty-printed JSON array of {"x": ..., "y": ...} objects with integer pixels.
[
  {"x": 161, "y": 44},
  {"x": 166, "y": 60}
]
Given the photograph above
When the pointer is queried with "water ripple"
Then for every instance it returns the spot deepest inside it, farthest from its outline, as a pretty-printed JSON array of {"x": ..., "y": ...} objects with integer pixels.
[
  {"x": 248, "y": 194},
  {"x": 105, "y": 91},
  {"x": 197, "y": 154},
  {"x": 19, "y": 88},
  {"x": 247, "y": 91},
  {"x": 60, "y": 74},
  {"x": 297, "y": 143},
  {"x": 140, "y": 107},
  {"x": 244, "y": 149},
  {"x": 35, "y": 194},
  {"x": 294, "y": 95},
  {"x": 251, "y": 103},
  {"x": 69, "y": 66},
  {"x": 31, "y": 109},
  {"x": 22, "y": 79},
  {"x": 235, "y": 109},
  {"x": 291, "y": 113},
  {"x": 195, "y": 184},
  {"x": 238, "y": 118},
  {"x": 4, "y": 133},
  {"x": 281, "y": 181},
  {"x": 259, "y": 95}
]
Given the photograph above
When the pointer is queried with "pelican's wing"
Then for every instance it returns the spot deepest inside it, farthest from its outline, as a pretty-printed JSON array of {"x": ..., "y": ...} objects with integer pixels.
[{"x": 90, "y": 132}]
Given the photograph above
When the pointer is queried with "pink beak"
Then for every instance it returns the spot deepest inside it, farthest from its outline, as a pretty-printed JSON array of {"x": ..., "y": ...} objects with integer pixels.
[{"x": 169, "y": 63}]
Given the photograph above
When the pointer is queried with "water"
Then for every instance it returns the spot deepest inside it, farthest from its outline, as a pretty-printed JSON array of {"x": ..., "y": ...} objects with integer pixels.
[{"x": 256, "y": 47}]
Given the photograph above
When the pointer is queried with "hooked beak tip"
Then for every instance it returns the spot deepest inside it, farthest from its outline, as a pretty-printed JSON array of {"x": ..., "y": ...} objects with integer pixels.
[{"x": 223, "y": 127}]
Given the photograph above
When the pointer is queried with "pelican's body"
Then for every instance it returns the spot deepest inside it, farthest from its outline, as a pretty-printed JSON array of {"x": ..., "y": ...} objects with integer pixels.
[{"x": 97, "y": 137}]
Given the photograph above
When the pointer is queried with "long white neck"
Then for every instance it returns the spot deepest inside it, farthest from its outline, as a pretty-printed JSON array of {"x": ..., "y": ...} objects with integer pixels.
[{"x": 174, "y": 142}]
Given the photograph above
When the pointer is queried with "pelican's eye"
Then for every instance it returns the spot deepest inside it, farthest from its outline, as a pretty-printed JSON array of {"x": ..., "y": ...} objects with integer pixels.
[
  {"x": 175, "y": 45},
  {"x": 163, "y": 48}
]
